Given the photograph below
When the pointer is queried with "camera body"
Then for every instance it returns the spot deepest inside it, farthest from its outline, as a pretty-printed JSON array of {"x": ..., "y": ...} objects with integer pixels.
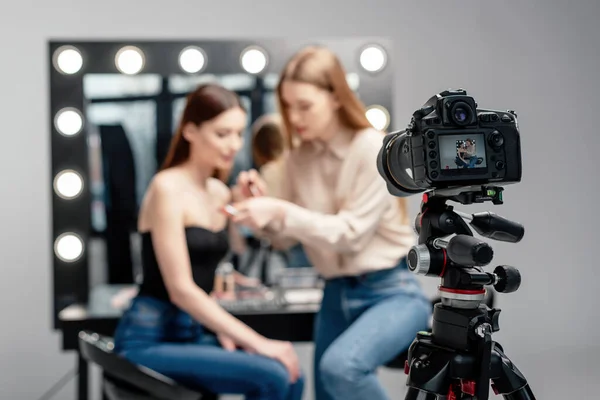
[{"x": 452, "y": 143}]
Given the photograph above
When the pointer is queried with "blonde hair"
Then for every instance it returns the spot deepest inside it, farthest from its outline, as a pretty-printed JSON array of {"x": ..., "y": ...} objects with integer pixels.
[{"x": 319, "y": 66}]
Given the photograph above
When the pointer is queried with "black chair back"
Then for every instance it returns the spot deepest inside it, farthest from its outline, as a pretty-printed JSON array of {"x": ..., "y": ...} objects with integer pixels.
[{"x": 123, "y": 376}]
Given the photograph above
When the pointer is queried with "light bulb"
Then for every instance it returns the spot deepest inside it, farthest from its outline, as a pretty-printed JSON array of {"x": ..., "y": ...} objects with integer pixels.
[
  {"x": 129, "y": 60},
  {"x": 373, "y": 58},
  {"x": 254, "y": 60},
  {"x": 68, "y": 247}
]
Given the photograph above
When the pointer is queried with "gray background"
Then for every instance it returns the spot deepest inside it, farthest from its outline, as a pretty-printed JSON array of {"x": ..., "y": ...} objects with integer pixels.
[{"x": 540, "y": 58}]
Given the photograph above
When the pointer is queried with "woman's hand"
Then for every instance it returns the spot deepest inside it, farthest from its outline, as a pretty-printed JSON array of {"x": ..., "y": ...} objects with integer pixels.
[
  {"x": 256, "y": 213},
  {"x": 284, "y": 353},
  {"x": 249, "y": 184},
  {"x": 226, "y": 342}
]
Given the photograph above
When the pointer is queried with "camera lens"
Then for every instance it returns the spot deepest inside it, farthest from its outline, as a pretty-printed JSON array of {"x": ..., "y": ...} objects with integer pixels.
[{"x": 461, "y": 113}]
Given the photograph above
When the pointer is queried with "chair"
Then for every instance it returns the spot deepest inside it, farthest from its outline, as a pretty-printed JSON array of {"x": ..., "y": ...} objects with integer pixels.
[
  {"x": 399, "y": 360},
  {"x": 124, "y": 380}
]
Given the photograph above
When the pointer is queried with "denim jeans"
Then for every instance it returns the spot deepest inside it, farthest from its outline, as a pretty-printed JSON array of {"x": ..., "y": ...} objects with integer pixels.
[
  {"x": 297, "y": 258},
  {"x": 364, "y": 322},
  {"x": 159, "y": 336}
]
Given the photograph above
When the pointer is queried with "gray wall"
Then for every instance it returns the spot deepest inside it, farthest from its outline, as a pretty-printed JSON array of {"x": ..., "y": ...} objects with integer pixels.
[{"x": 540, "y": 59}]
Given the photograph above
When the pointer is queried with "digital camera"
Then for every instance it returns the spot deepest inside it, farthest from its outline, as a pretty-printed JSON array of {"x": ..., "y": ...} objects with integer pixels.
[{"x": 449, "y": 143}]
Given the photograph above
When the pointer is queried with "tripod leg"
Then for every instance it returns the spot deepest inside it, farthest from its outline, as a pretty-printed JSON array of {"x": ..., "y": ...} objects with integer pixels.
[{"x": 507, "y": 380}]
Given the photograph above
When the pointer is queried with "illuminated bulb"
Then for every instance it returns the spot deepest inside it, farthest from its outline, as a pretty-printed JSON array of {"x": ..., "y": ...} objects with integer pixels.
[
  {"x": 353, "y": 81},
  {"x": 373, "y": 58},
  {"x": 378, "y": 117},
  {"x": 68, "y": 121},
  {"x": 192, "y": 60},
  {"x": 68, "y": 247},
  {"x": 68, "y": 184},
  {"x": 254, "y": 60},
  {"x": 68, "y": 60},
  {"x": 129, "y": 60}
]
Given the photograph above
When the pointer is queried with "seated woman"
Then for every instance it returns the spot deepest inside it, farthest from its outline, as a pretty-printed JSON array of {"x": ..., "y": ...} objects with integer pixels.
[{"x": 173, "y": 325}]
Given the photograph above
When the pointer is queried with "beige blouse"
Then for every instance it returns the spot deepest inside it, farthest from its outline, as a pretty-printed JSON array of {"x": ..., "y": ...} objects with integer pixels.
[{"x": 342, "y": 213}]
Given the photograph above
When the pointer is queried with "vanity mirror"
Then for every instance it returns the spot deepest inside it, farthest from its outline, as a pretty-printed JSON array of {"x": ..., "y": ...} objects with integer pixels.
[{"x": 114, "y": 106}]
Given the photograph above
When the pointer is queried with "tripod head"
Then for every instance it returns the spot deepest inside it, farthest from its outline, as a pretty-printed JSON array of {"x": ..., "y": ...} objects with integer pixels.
[
  {"x": 448, "y": 249},
  {"x": 463, "y": 325}
]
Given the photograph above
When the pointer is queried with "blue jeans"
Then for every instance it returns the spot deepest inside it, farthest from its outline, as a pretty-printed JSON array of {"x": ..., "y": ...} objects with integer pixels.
[
  {"x": 157, "y": 335},
  {"x": 297, "y": 258},
  {"x": 364, "y": 322}
]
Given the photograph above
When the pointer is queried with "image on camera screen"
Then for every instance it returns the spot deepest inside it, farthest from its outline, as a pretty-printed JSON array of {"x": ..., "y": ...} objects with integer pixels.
[{"x": 462, "y": 151}]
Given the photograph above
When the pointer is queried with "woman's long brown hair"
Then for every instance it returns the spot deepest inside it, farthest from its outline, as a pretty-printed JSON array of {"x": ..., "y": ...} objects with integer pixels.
[
  {"x": 203, "y": 104},
  {"x": 319, "y": 66}
]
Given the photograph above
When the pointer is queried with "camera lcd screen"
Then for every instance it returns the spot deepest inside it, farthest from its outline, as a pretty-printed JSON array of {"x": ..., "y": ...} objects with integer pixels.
[{"x": 464, "y": 151}]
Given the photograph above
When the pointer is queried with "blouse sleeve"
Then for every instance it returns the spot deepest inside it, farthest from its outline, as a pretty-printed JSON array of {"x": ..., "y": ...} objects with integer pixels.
[{"x": 354, "y": 225}]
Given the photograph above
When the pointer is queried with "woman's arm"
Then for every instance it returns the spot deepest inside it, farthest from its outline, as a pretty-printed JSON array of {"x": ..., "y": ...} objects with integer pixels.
[
  {"x": 284, "y": 192},
  {"x": 355, "y": 223},
  {"x": 168, "y": 239}
]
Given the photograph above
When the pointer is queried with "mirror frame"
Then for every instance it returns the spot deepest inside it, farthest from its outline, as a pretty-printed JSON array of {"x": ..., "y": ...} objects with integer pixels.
[{"x": 71, "y": 279}]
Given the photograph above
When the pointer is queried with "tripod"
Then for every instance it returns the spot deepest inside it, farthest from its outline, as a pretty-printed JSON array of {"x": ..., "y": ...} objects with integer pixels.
[{"x": 458, "y": 358}]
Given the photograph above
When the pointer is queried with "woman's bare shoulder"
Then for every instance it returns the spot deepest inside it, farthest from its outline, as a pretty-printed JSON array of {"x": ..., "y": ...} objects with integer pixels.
[
  {"x": 166, "y": 182},
  {"x": 162, "y": 192}
]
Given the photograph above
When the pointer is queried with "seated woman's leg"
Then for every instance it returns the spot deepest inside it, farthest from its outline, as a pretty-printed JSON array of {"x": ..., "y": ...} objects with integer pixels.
[
  {"x": 210, "y": 367},
  {"x": 473, "y": 162},
  {"x": 460, "y": 163},
  {"x": 386, "y": 328}
]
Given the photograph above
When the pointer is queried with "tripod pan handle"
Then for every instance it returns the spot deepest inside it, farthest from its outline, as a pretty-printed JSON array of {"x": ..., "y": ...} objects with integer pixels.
[{"x": 496, "y": 227}]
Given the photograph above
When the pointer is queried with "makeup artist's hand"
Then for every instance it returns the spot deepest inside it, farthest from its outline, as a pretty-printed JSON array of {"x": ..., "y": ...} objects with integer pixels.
[
  {"x": 257, "y": 212},
  {"x": 249, "y": 184}
]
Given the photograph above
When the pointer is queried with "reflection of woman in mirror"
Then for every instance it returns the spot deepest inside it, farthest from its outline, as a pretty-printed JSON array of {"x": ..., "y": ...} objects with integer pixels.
[
  {"x": 168, "y": 325},
  {"x": 354, "y": 232},
  {"x": 269, "y": 149}
]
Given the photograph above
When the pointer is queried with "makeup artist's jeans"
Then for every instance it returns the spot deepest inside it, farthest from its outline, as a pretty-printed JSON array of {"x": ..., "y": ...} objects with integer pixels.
[
  {"x": 156, "y": 334},
  {"x": 363, "y": 323}
]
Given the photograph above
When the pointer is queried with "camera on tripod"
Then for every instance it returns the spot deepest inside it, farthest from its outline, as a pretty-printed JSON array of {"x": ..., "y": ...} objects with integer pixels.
[
  {"x": 450, "y": 142},
  {"x": 454, "y": 151}
]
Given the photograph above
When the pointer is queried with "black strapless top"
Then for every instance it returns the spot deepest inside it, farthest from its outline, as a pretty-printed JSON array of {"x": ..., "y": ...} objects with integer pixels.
[{"x": 206, "y": 249}]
